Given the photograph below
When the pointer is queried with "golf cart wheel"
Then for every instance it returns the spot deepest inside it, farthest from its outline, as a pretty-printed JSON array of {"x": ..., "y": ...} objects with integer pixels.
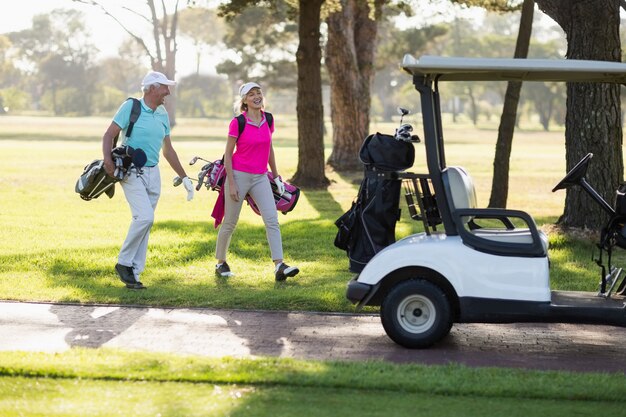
[{"x": 416, "y": 314}]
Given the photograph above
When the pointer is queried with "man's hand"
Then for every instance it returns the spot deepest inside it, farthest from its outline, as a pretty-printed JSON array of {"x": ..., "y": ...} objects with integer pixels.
[
  {"x": 280, "y": 187},
  {"x": 109, "y": 167},
  {"x": 189, "y": 187}
]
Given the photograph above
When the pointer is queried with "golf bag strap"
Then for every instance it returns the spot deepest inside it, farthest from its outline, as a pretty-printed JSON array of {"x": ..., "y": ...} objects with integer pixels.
[
  {"x": 134, "y": 116},
  {"x": 241, "y": 121},
  {"x": 241, "y": 124}
]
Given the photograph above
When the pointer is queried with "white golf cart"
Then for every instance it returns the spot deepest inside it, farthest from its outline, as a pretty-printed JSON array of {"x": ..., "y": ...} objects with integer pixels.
[{"x": 467, "y": 273}]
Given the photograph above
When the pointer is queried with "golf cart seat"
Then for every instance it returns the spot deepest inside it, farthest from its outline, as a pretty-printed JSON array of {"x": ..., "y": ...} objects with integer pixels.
[{"x": 502, "y": 236}]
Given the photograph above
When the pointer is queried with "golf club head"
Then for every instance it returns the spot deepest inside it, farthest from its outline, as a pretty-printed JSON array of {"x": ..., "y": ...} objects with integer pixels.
[
  {"x": 201, "y": 178},
  {"x": 177, "y": 181},
  {"x": 193, "y": 160},
  {"x": 402, "y": 111},
  {"x": 139, "y": 158}
]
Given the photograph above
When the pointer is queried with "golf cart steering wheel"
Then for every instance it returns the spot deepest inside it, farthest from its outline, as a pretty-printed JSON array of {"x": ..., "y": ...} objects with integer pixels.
[{"x": 575, "y": 174}]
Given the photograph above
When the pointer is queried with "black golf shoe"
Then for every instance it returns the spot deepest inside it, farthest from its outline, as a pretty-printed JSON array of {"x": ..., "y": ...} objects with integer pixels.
[
  {"x": 126, "y": 274},
  {"x": 136, "y": 286},
  {"x": 283, "y": 271},
  {"x": 223, "y": 270}
]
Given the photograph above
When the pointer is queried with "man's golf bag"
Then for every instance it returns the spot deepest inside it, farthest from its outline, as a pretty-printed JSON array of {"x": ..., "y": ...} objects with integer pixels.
[
  {"x": 369, "y": 225},
  {"x": 94, "y": 181}
]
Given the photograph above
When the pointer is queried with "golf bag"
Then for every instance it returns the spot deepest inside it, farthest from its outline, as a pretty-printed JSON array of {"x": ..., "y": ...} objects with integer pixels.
[
  {"x": 212, "y": 175},
  {"x": 369, "y": 226},
  {"x": 94, "y": 181},
  {"x": 285, "y": 202}
]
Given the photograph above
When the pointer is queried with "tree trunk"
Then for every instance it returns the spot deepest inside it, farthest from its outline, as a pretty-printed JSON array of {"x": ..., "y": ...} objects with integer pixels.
[
  {"x": 350, "y": 62},
  {"x": 310, "y": 171},
  {"x": 164, "y": 32},
  {"x": 593, "y": 120},
  {"x": 544, "y": 110},
  {"x": 500, "y": 180},
  {"x": 473, "y": 106}
]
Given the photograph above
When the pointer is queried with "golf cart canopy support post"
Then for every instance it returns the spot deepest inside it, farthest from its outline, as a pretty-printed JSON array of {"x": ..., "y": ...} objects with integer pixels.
[{"x": 428, "y": 71}]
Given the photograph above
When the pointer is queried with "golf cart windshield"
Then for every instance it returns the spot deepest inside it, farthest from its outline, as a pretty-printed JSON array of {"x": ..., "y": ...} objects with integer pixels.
[{"x": 510, "y": 69}]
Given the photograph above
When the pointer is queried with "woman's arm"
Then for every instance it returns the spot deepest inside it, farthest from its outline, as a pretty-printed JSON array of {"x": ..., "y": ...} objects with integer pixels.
[
  {"x": 272, "y": 162},
  {"x": 228, "y": 166}
]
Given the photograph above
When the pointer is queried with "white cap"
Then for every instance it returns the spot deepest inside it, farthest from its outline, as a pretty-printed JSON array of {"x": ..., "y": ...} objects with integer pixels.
[
  {"x": 156, "y": 77},
  {"x": 245, "y": 89}
]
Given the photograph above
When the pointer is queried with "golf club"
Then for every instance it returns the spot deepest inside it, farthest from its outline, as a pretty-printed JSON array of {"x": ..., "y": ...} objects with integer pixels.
[
  {"x": 403, "y": 112},
  {"x": 178, "y": 180},
  {"x": 195, "y": 159}
]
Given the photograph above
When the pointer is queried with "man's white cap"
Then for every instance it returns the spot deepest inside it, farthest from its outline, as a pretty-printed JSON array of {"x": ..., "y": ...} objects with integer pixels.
[
  {"x": 156, "y": 77},
  {"x": 245, "y": 89}
]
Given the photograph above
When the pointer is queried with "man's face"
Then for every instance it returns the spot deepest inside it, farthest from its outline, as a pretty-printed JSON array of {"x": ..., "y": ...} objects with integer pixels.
[{"x": 159, "y": 93}]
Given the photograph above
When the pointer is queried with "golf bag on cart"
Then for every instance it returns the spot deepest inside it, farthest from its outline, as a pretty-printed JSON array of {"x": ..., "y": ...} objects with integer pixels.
[
  {"x": 613, "y": 234},
  {"x": 369, "y": 226}
]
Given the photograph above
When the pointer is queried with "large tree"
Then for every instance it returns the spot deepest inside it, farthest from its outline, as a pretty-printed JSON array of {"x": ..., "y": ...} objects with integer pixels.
[
  {"x": 310, "y": 169},
  {"x": 58, "y": 51},
  {"x": 500, "y": 180},
  {"x": 352, "y": 30},
  {"x": 161, "y": 48},
  {"x": 391, "y": 87},
  {"x": 193, "y": 25},
  {"x": 263, "y": 42},
  {"x": 593, "y": 110},
  {"x": 310, "y": 172}
]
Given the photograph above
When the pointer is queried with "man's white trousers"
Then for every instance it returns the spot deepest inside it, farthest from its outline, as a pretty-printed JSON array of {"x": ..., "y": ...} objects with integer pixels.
[{"x": 142, "y": 193}]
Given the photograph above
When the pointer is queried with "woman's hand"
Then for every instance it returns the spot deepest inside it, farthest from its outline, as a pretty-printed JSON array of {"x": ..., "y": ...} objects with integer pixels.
[{"x": 233, "y": 191}]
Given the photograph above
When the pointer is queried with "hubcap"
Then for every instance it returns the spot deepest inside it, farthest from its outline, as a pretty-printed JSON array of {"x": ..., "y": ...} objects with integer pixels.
[{"x": 416, "y": 314}]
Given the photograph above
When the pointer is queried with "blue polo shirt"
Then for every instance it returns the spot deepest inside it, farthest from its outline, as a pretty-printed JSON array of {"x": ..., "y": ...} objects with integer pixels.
[{"x": 149, "y": 130}]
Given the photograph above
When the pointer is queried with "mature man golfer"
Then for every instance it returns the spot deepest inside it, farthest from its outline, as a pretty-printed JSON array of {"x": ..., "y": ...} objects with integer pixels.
[{"x": 142, "y": 187}]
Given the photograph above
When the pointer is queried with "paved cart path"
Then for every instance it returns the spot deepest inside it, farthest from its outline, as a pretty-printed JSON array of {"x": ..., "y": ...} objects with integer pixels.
[{"x": 243, "y": 334}]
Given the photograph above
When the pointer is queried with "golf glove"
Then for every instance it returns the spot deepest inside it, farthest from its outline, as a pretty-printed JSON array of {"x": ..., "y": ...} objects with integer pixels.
[
  {"x": 280, "y": 187},
  {"x": 189, "y": 187}
]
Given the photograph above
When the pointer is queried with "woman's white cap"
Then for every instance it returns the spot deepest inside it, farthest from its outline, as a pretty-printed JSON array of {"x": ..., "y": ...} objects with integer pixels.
[{"x": 245, "y": 89}]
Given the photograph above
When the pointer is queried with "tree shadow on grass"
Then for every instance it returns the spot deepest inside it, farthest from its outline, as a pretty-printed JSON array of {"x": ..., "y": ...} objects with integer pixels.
[
  {"x": 324, "y": 203},
  {"x": 180, "y": 269},
  {"x": 94, "y": 331}
]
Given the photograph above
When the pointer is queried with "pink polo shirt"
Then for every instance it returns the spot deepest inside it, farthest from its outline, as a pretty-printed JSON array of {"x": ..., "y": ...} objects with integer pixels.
[{"x": 252, "y": 151}]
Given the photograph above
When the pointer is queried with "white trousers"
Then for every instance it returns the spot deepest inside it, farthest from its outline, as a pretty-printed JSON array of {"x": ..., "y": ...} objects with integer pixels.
[
  {"x": 142, "y": 194},
  {"x": 258, "y": 186}
]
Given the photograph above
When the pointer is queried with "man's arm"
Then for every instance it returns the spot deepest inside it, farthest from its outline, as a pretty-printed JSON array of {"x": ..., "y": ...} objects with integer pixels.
[
  {"x": 107, "y": 147},
  {"x": 172, "y": 157}
]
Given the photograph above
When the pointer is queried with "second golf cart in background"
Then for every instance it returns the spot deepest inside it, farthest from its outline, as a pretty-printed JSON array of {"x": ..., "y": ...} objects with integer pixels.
[{"x": 469, "y": 272}]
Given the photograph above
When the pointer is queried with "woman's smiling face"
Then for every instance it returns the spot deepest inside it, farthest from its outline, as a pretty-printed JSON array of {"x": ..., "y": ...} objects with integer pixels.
[{"x": 254, "y": 98}]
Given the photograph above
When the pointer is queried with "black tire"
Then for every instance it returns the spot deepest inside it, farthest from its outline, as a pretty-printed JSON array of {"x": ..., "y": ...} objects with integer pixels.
[{"x": 416, "y": 314}]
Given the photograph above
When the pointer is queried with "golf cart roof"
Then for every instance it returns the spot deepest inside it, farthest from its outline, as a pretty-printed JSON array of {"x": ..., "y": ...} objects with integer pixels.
[{"x": 514, "y": 69}]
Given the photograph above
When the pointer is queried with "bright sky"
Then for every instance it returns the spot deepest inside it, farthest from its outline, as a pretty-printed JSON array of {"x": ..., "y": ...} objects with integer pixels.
[
  {"x": 19, "y": 16},
  {"x": 106, "y": 33}
]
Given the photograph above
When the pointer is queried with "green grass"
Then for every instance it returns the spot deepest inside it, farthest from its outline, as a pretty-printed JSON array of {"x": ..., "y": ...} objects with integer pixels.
[
  {"x": 56, "y": 247},
  {"x": 111, "y": 382}
]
